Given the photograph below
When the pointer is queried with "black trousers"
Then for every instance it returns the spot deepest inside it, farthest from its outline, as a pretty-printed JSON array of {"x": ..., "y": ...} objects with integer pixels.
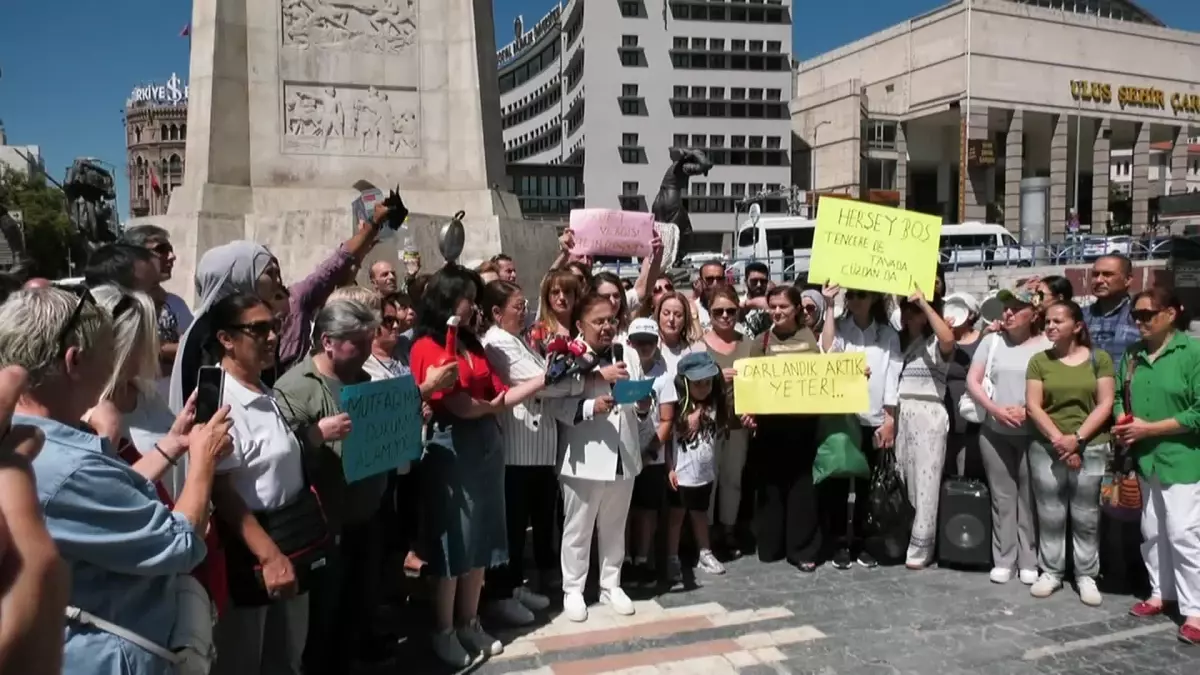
[
  {"x": 1121, "y": 568},
  {"x": 840, "y": 528},
  {"x": 341, "y": 609},
  {"x": 530, "y": 499},
  {"x": 787, "y": 525}
]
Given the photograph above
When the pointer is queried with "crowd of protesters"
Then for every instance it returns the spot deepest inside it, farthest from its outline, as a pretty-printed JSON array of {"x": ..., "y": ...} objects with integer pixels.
[{"x": 237, "y": 545}]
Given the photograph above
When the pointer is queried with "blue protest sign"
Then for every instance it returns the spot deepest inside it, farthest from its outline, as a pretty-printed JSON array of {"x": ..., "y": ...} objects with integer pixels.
[
  {"x": 385, "y": 426},
  {"x": 632, "y": 391}
]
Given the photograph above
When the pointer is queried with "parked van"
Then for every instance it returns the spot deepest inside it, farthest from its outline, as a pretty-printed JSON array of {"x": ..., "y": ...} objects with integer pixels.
[
  {"x": 783, "y": 242},
  {"x": 970, "y": 244}
]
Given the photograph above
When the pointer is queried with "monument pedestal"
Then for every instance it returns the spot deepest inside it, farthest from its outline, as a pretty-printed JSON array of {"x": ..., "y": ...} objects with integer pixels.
[{"x": 293, "y": 101}]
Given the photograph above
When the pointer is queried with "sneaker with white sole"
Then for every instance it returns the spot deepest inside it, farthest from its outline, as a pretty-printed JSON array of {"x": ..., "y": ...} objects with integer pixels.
[
  {"x": 473, "y": 638},
  {"x": 509, "y": 612},
  {"x": 1029, "y": 577},
  {"x": 709, "y": 563},
  {"x": 575, "y": 607},
  {"x": 534, "y": 601},
  {"x": 1000, "y": 575},
  {"x": 1045, "y": 586},
  {"x": 448, "y": 648},
  {"x": 1088, "y": 593},
  {"x": 617, "y": 600}
]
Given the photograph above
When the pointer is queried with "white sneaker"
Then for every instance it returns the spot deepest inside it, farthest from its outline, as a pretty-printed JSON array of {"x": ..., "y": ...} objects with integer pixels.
[
  {"x": 473, "y": 637},
  {"x": 1000, "y": 575},
  {"x": 510, "y": 612},
  {"x": 528, "y": 598},
  {"x": 447, "y": 648},
  {"x": 574, "y": 607},
  {"x": 709, "y": 563},
  {"x": 1029, "y": 577},
  {"x": 1045, "y": 586},
  {"x": 1088, "y": 593},
  {"x": 616, "y": 598}
]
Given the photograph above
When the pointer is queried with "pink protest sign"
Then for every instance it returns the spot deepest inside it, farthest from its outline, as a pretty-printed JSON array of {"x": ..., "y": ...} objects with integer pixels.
[{"x": 610, "y": 232}]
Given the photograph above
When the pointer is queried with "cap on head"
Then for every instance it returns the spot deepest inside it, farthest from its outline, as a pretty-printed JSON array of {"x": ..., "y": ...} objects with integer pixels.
[
  {"x": 698, "y": 366},
  {"x": 644, "y": 328}
]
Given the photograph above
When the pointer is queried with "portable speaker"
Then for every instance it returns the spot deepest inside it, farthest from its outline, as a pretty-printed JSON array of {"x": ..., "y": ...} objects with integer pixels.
[{"x": 965, "y": 524}]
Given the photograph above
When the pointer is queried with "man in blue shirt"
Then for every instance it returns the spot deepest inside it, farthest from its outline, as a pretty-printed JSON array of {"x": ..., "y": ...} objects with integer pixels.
[
  {"x": 1107, "y": 318},
  {"x": 1112, "y": 330}
]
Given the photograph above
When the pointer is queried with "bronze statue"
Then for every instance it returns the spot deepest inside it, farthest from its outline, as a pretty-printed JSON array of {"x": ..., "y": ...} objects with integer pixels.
[{"x": 668, "y": 206}]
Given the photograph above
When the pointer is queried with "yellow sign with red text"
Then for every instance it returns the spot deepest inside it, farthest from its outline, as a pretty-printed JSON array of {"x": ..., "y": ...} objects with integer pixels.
[{"x": 874, "y": 248}]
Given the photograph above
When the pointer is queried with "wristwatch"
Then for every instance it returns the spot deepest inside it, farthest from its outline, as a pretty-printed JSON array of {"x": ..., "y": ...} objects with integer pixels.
[{"x": 1079, "y": 439}]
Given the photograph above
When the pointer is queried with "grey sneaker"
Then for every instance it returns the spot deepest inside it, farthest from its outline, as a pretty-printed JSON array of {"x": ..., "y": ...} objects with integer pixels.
[{"x": 709, "y": 563}]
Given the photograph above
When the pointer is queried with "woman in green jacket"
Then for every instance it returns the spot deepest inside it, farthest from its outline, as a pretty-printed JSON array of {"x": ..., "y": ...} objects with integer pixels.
[{"x": 1158, "y": 415}]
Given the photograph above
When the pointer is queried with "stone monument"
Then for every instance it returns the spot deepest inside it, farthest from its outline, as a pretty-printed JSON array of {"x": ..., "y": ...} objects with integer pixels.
[
  {"x": 293, "y": 101},
  {"x": 668, "y": 206}
]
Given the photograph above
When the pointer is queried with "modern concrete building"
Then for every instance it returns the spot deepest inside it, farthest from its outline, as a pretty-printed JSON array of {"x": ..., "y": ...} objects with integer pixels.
[
  {"x": 26, "y": 159},
  {"x": 615, "y": 88},
  {"x": 155, "y": 138},
  {"x": 1086, "y": 105}
]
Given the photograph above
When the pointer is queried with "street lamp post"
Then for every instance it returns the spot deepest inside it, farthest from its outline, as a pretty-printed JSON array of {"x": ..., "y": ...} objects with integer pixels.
[{"x": 813, "y": 160}]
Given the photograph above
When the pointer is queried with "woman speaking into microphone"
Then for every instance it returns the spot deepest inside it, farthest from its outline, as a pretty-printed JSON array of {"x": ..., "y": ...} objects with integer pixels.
[{"x": 599, "y": 458}]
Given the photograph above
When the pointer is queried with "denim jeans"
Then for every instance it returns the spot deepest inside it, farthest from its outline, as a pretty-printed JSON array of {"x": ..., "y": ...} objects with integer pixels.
[{"x": 1060, "y": 491}]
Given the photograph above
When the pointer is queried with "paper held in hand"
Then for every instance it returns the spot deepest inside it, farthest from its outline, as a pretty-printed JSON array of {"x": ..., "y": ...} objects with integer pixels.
[
  {"x": 874, "y": 248},
  {"x": 385, "y": 426},
  {"x": 801, "y": 384},
  {"x": 611, "y": 232}
]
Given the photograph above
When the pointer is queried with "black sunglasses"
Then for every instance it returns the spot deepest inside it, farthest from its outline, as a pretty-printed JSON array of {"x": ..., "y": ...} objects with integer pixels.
[
  {"x": 723, "y": 311},
  {"x": 162, "y": 248},
  {"x": 389, "y": 322},
  {"x": 258, "y": 329},
  {"x": 665, "y": 289},
  {"x": 714, "y": 280},
  {"x": 83, "y": 296},
  {"x": 1144, "y": 315}
]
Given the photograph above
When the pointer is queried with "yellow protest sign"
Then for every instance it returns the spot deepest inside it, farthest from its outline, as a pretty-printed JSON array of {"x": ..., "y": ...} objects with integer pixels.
[
  {"x": 874, "y": 248},
  {"x": 801, "y": 383}
]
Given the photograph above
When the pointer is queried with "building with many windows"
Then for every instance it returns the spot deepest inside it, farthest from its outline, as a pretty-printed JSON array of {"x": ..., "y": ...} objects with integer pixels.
[
  {"x": 155, "y": 136},
  {"x": 1038, "y": 114},
  {"x": 601, "y": 96}
]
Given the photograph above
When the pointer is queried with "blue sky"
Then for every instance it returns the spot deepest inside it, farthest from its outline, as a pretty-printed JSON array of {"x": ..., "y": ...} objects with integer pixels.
[{"x": 68, "y": 65}]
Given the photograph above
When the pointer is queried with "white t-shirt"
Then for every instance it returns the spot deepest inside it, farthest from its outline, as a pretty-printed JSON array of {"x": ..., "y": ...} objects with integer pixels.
[
  {"x": 924, "y": 373},
  {"x": 881, "y": 345},
  {"x": 1009, "y": 368},
  {"x": 266, "y": 463},
  {"x": 664, "y": 392},
  {"x": 696, "y": 458}
]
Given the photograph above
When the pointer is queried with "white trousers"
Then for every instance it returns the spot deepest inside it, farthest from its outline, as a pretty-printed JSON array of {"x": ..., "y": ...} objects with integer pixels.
[
  {"x": 589, "y": 505},
  {"x": 262, "y": 640},
  {"x": 1171, "y": 529},
  {"x": 731, "y": 461}
]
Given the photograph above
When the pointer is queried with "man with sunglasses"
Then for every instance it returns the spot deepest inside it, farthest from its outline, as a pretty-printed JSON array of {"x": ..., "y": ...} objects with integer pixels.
[
  {"x": 174, "y": 315},
  {"x": 712, "y": 274}
]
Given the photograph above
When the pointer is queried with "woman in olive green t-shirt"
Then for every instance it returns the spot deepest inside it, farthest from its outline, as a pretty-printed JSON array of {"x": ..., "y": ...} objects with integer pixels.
[{"x": 1069, "y": 392}]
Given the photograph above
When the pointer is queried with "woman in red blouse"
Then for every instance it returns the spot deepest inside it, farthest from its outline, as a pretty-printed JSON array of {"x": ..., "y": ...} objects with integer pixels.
[{"x": 462, "y": 474}]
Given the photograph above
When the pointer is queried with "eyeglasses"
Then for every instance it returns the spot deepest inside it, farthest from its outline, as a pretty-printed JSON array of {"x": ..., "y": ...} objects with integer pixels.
[
  {"x": 162, "y": 248},
  {"x": 714, "y": 280},
  {"x": 809, "y": 309},
  {"x": 389, "y": 322},
  {"x": 664, "y": 289},
  {"x": 84, "y": 296},
  {"x": 609, "y": 321},
  {"x": 1144, "y": 315},
  {"x": 757, "y": 281},
  {"x": 259, "y": 329},
  {"x": 723, "y": 311}
]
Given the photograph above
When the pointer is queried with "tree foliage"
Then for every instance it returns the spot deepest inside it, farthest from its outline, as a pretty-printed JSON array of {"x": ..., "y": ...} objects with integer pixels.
[{"x": 48, "y": 229}]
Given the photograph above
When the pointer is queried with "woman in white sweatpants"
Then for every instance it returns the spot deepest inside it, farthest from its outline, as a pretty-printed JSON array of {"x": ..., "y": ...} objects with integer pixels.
[{"x": 599, "y": 458}]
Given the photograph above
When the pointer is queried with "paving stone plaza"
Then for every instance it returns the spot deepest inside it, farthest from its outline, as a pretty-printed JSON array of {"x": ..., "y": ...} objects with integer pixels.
[{"x": 762, "y": 619}]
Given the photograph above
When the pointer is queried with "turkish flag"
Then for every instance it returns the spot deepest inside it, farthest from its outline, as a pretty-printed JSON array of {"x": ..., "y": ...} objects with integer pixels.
[{"x": 154, "y": 184}]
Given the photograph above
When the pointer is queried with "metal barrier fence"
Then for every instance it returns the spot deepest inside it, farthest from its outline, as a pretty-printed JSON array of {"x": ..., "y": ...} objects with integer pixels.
[{"x": 1085, "y": 250}]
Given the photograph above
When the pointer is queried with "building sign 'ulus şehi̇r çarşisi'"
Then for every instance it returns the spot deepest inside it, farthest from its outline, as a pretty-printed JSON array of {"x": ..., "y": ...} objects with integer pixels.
[{"x": 1135, "y": 97}]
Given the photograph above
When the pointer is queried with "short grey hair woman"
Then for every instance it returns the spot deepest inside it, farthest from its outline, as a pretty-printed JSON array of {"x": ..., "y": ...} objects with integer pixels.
[{"x": 119, "y": 540}]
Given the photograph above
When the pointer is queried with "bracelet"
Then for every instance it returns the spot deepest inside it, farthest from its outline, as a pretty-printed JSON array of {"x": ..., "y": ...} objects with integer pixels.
[{"x": 172, "y": 462}]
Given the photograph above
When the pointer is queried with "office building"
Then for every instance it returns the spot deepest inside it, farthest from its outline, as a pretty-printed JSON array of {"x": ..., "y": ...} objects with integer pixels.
[
  {"x": 615, "y": 86},
  {"x": 1045, "y": 113}
]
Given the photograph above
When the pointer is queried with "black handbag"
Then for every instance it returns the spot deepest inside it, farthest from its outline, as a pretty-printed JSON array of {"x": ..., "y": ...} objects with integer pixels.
[{"x": 301, "y": 532}]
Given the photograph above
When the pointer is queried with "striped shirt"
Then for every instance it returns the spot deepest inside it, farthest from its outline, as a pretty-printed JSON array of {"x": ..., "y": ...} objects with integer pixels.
[{"x": 529, "y": 438}]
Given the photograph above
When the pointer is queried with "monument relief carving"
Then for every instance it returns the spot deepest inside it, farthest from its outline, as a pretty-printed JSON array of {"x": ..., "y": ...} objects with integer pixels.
[
  {"x": 351, "y": 121},
  {"x": 372, "y": 26}
]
